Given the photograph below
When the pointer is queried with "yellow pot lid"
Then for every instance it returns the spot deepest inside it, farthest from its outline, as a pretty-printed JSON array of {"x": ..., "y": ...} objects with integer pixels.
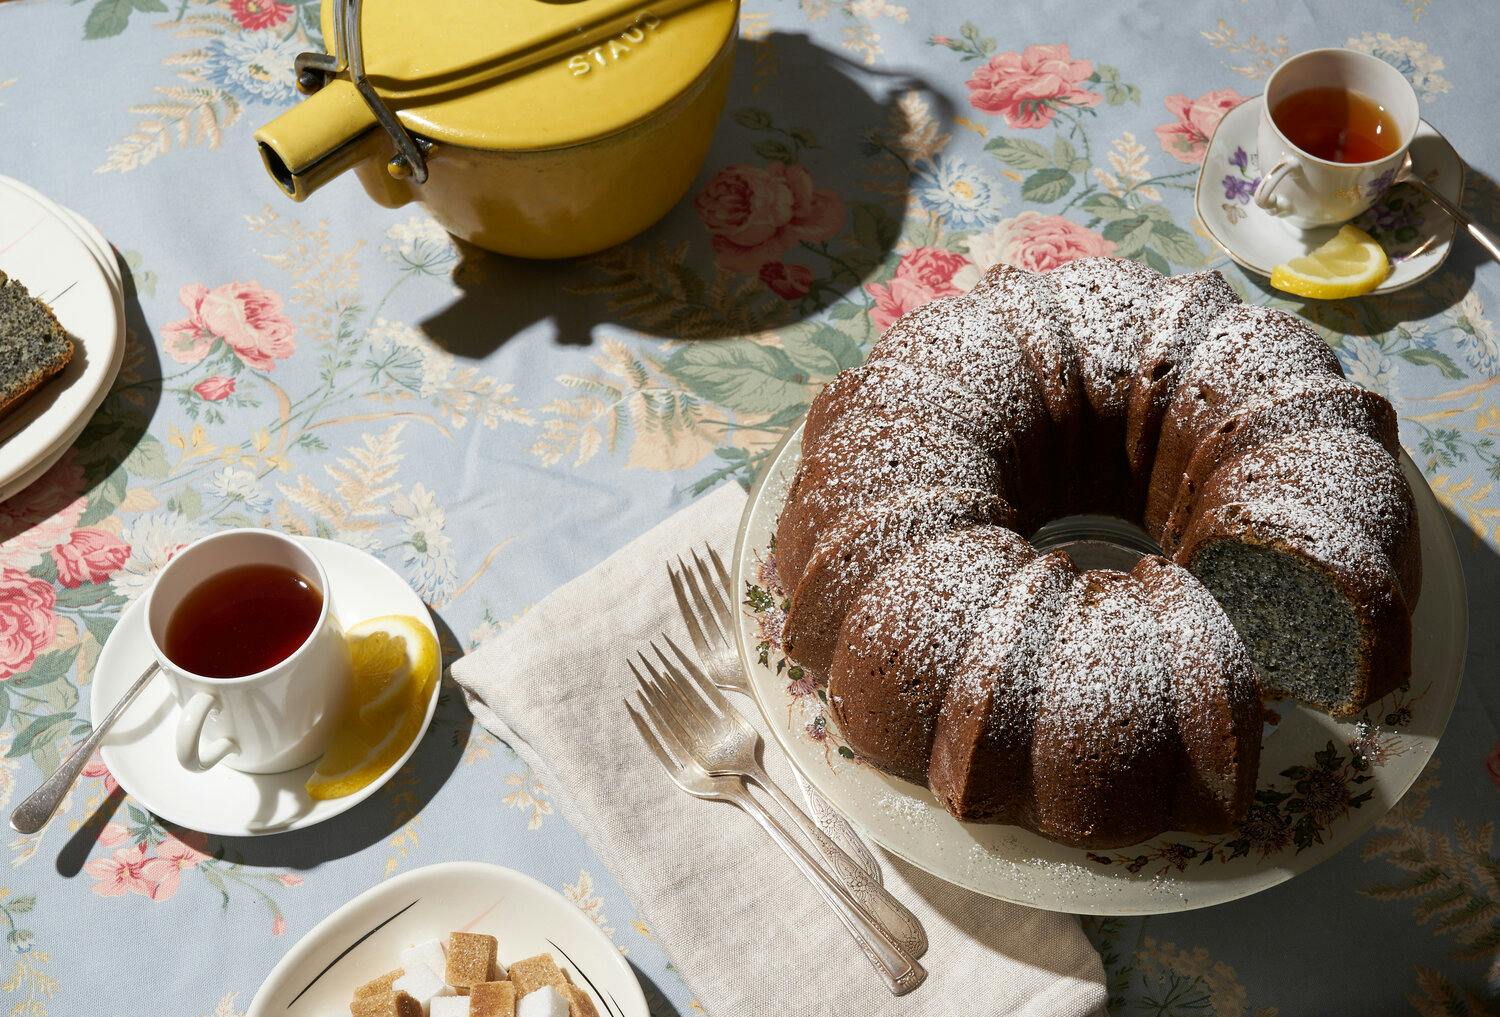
[{"x": 528, "y": 74}]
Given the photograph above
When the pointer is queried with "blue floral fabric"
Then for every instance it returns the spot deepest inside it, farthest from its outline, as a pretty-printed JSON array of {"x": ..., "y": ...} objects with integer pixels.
[{"x": 491, "y": 428}]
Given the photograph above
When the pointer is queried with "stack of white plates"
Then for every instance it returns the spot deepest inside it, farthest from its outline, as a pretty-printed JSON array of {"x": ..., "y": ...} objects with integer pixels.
[{"x": 65, "y": 261}]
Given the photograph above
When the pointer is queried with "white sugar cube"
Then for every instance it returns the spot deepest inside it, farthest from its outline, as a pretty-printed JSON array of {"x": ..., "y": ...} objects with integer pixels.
[
  {"x": 424, "y": 986},
  {"x": 429, "y": 955},
  {"x": 450, "y": 1006},
  {"x": 543, "y": 1002}
]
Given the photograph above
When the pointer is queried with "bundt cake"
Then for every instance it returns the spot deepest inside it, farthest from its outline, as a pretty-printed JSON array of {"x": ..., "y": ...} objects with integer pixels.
[{"x": 1095, "y": 707}]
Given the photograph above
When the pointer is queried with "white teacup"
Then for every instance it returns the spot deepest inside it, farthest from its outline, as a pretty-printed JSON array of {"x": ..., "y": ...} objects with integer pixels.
[
  {"x": 1308, "y": 191},
  {"x": 274, "y": 720}
]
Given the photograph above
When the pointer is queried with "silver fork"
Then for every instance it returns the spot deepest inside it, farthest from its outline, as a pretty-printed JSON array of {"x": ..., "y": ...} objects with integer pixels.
[
  {"x": 670, "y": 737},
  {"x": 703, "y": 602}
]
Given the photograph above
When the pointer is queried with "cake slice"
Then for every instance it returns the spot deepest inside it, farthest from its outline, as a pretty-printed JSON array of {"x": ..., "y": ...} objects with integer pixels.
[{"x": 33, "y": 345}]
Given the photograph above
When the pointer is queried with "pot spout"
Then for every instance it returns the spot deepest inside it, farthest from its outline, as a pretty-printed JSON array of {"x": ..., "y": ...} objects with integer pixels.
[{"x": 325, "y": 134}]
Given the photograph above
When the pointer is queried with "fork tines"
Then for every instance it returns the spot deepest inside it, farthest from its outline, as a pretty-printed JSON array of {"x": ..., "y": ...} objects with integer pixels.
[{"x": 704, "y": 607}]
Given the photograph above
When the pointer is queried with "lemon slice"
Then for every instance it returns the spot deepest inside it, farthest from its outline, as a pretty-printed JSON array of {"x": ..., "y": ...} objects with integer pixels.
[
  {"x": 396, "y": 665},
  {"x": 1349, "y": 265}
]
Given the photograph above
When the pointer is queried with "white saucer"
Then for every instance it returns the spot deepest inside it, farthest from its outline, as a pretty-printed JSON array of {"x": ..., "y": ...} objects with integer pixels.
[
  {"x": 364, "y": 938},
  {"x": 227, "y": 803},
  {"x": 1415, "y": 233},
  {"x": 64, "y": 260}
]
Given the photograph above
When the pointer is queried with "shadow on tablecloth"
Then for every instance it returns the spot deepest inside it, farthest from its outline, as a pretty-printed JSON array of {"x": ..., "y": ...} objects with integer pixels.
[{"x": 668, "y": 281}]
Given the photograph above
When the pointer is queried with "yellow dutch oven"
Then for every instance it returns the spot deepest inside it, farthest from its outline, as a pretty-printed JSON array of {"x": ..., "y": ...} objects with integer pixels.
[{"x": 538, "y": 128}]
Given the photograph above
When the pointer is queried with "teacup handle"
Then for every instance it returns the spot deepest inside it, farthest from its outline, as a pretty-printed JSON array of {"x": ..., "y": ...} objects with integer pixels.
[
  {"x": 190, "y": 731},
  {"x": 1273, "y": 203}
]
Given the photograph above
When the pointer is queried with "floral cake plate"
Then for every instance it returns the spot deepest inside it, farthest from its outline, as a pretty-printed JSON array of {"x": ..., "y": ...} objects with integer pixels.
[
  {"x": 1322, "y": 782},
  {"x": 1415, "y": 233}
]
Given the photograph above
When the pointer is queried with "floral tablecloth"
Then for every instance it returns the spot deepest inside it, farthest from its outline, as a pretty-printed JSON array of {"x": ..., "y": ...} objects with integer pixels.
[{"x": 491, "y": 428}]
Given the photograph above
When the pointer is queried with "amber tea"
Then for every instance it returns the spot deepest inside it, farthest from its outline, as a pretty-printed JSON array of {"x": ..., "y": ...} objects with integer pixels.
[
  {"x": 242, "y": 621},
  {"x": 1337, "y": 125}
]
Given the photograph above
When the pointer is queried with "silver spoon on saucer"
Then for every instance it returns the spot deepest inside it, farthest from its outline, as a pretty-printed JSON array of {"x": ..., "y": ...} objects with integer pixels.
[
  {"x": 32, "y": 814},
  {"x": 1407, "y": 175}
]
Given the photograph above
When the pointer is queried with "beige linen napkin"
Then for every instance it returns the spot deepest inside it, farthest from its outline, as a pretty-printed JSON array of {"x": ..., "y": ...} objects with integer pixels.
[{"x": 747, "y": 932}]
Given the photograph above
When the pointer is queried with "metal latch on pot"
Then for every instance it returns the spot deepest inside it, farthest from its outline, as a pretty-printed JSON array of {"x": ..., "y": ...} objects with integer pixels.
[{"x": 314, "y": 70}]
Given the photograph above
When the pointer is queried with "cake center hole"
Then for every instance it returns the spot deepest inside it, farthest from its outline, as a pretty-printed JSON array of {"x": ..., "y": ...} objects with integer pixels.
[{"x": 1096, "y": 542}]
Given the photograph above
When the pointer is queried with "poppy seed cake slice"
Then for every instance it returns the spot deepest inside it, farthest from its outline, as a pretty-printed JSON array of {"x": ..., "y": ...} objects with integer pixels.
[{"x": 33, "y": 345}]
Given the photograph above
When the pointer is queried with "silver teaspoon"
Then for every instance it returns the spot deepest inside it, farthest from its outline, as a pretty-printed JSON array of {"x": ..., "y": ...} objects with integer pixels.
[
  {"x": 1407, "y": 175},
  {"x": 32, "y": 814}
]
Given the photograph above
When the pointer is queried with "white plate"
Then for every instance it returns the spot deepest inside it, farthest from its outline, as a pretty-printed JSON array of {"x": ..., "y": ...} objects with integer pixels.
[
  {"x": 364, "y": 938},
  {"x": 1012, "y": 864},
  {"x": 57, "y": 257},
  {"x": 1415, "y": 233},
  {"x": 85, "y": 230},
  {"x": 227, "y": 803}
]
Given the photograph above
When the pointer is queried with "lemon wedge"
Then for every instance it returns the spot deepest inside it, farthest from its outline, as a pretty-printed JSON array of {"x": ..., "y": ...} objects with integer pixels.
[
  {"x": 396, "y": 665},
  {"x": 1349, "y": 265}
]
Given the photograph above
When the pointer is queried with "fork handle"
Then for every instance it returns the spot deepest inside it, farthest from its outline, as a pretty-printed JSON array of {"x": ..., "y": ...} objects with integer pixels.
[
  {"x": 869, "y": 891},
  {"x": 901, "y": 971}
]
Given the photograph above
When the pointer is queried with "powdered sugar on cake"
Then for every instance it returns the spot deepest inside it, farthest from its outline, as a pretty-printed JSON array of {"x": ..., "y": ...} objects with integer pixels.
[{"x": 1113, "y": 703}]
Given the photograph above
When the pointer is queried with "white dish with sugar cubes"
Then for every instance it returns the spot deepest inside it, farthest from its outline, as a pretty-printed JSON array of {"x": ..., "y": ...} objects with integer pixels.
[{"x": 461, "y": 939}]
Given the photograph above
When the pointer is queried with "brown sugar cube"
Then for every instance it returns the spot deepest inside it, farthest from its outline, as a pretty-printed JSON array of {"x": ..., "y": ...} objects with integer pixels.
[
  {"x": 379, "y": 986},
  {"x": 493, "y": 999},
  {"x": 390, "y": 1004},
  {"x": 534, "y": 972},
  {"x": 579, "y": 1004},
  {"x": 470, "y": 957}
]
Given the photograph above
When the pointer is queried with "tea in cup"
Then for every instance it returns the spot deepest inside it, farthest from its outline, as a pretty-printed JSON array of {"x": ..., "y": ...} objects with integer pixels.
[
  {"x": 1334, "y": 128},
  {"x": 241, "y": 626}
]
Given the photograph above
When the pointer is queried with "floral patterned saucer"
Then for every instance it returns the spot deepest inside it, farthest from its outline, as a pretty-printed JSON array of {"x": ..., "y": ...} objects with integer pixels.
[
  {"x": 138, "y": 752},
  {"x": 1415, "y": 233},
  {"x": 1322, "y": 782}
]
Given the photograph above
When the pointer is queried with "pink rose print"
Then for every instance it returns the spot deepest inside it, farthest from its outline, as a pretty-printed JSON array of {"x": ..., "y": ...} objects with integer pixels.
[
  {"x": 924, "y": 275},
  {"x": 278, "y": 925},
  {"x": 188, "y": 340},
  {"x": 27, "y": 624},
  {"x": 89, "y": 556},
  {"x": 244, "y": 315},
  {"x": 756, "y": 215},
  {"x": 165, "y": 870},
  {"x": 121, "y": 873},
  {"x": 1492, "y": 765},
  {"x": 789, "y": 282},
  {"x": 132, "y": 870},
  {"x": 1186, "y": 140},
  {"x": 1040, "y": 243},
  {"x": 112, "y": 833},
  {"x": 43, "y": 515},
  {"x": 214, "y": 387},
  {"x": 258, "y": 14},
  {"x": 1028, "y": 87}
]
